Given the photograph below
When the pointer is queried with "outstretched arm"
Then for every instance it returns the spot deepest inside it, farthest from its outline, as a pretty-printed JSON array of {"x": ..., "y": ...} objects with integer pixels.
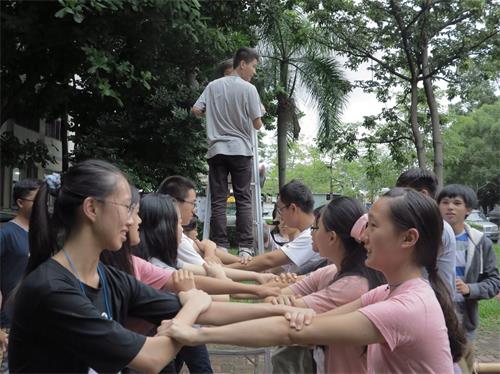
[
  {"x": 264, "y": 261},
  {"x": 351, "y": 328}
]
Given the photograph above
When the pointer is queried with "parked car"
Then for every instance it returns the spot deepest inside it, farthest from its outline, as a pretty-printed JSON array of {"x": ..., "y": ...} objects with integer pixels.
[
  {"x": 494, "y": 215},
  {"x": 479, "y": 221}
]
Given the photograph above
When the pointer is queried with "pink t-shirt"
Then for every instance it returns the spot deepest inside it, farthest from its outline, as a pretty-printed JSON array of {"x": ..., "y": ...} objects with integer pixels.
[
  {"x": 149, "y": 274},
  {"x": 413, "y": 326},
  {"x": 321, "y": 295}
]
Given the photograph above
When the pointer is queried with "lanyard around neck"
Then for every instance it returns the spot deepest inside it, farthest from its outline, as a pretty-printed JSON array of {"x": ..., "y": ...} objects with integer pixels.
[{"x": 102, "y": 279}]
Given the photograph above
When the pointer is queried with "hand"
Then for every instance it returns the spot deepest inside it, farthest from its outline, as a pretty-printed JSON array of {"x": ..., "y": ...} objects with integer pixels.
[
  {"x": 263, "y": 278},
  {"x": 180, "y": 331},
  {"x": 245, "y": 260},
  {"x": 299, "y": 317},
  {"x": 4, "y": 341},
  {"x": 263, "y": 292},
  {"x": 196, "y": 298},
  {"x": 182, "y": 280},
  {"x": 288, "y": 278},
  {"x": 215, "y": 270},
  {"x": 462, "y": 287},
  {"x": 284, "y": 300}
]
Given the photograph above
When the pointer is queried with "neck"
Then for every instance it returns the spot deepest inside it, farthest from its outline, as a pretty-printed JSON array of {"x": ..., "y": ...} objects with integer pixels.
[
  {"x": 401, "y": 274},
  {"x": 22, "y": 221},
  {"x": 84, "y": 252},
  {"x": 305, "y": 221},
  {"x": 458, "y": 227}
]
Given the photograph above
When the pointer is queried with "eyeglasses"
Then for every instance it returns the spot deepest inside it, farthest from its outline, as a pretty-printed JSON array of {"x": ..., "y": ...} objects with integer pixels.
[
  {"x": 314, "y": 228},
  {"x": 28, "y": 199},
  {"x": 193, "y": 203},
  {"x": 279, "y": 209},
  {"x": 130, "y": 208}
]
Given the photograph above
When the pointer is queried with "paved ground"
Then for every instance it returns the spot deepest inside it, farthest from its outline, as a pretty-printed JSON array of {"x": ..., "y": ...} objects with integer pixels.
[{"x": 487, "y": 347}]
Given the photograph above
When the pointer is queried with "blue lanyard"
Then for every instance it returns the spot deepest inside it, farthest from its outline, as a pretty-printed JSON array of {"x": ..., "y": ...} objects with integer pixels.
[{"x": 102, "y": 280}]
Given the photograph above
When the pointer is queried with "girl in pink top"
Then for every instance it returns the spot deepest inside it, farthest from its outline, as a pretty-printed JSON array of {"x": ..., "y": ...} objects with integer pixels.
[
  {"x": 345, "y": 280},
  {"x": 409, "y": 324}
]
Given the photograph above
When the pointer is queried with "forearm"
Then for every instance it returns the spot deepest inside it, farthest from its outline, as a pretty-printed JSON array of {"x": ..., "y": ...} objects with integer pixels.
[
  {"x": 225, "y": 313},
  {"x": 158, "y": 351},
  {"x": 258, "y": 263},
  {"x": 241, "y": 275},
  {"x": 264, "y": 332},
  {"x": 226, "y": 258},
  {"x": 222, "y": 286}
]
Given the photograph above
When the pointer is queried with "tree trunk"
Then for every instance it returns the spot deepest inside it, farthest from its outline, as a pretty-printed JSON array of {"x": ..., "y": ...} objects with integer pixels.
[
  {"x": 417, "y": 136},
  {"x": 437, "y": 142},
  {"x": 283, "y": 123},
  {"x": 64, "y": 142}
]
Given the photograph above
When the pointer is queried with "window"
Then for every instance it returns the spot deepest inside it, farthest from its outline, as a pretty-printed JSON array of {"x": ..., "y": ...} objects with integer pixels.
[{"x": 53, "y": 129}]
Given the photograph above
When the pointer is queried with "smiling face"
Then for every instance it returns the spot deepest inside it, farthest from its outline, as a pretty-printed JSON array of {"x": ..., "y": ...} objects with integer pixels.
[
  {"x": 133, "y": 233},
  {"x": 383, "y": 242},
  {"x": 187, "y": 207},
  {"x": 112, "y": 219}
]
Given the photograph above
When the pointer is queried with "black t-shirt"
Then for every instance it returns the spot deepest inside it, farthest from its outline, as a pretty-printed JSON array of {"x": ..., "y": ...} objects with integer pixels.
[{"x": 57, "y": 329}]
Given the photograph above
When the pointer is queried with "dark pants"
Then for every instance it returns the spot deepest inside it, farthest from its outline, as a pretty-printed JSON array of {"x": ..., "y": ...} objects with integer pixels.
[
  {"x": 240, "y": 168},
  {"x": 196, "y": 359}
]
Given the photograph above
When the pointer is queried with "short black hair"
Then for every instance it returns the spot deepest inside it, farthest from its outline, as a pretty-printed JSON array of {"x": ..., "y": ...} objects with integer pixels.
[
  {"x": 419, "y": 179},
  {"x": 176, "y": 186},
  {"x": 24, "y": 187},
  {"x": 459, "y": 190},
  {"x": 245, "y": 54},
  {"x": 296, "y": 192}
]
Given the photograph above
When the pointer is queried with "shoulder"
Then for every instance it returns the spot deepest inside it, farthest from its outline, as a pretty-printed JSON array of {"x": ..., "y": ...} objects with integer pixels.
[
  {"x": 47, "y": 278},
  {"x": 10, "y": 228}
]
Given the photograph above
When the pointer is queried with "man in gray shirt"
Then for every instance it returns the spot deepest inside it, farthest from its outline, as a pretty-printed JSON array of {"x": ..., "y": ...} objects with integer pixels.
[{"x": 233, "y": 110}]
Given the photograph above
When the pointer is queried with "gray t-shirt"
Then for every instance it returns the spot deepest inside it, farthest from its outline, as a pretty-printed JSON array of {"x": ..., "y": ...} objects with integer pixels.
[{"x": 231, "y": 104}]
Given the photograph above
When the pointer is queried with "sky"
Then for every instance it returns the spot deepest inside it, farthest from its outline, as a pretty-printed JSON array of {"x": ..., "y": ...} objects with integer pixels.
[{"x": 359, "y": 104}]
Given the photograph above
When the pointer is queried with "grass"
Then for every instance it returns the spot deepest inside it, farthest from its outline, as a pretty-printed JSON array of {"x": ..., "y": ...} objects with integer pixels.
[{"x": 489, "y": 310}]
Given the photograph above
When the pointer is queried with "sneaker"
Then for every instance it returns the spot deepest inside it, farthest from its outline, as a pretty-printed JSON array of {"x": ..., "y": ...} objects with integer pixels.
[{"x": 246, "y": 252}]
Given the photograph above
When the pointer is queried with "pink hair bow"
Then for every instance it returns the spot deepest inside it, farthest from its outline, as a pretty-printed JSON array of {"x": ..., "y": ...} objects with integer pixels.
[{"x": 359, "y": 227}]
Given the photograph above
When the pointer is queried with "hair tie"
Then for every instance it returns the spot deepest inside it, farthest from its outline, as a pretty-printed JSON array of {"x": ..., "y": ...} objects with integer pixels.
[
  {"x": 53, "y": 182},
  {"x": 359, "y": 228}
]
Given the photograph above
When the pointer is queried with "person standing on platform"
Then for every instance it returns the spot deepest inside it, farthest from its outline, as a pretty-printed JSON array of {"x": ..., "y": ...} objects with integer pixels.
[{"x": 233, "y": 110}]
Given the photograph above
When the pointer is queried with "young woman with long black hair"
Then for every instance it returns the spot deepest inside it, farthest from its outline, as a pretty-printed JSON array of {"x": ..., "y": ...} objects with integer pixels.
[{"x": 69, "y": 308}]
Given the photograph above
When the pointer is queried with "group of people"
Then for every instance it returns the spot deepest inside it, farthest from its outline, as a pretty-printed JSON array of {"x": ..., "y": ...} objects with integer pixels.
[
  {"x": 96, "y": 278},
  {"x": 106, "y": 267}
]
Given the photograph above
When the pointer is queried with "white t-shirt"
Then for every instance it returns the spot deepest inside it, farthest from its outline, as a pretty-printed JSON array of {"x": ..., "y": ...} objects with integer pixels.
[
  {"x": 300, "y": 251},
  {"x": 187, "y": 253}
]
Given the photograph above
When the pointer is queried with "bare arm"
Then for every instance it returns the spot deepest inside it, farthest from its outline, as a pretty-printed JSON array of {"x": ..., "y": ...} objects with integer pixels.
[
  {"x": 351, "y": 328},
  {"x": 264, "y": 261},
  {"x": 226, "y": 258},
  {"x": 257, "y": 123},
  {"x": 198, "y": 112},
  {"x": 158, "y": 351},
  {"x": 221, "y": 286},
  {"x": 225, "y": 313}
]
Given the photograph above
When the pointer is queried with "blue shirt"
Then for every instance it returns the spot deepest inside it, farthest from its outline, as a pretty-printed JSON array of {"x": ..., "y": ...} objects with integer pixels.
[{"x": 14, "y": 254}]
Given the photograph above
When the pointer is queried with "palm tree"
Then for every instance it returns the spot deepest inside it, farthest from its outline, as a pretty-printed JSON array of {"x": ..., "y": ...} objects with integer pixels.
[{"x": 292, "y": 59}]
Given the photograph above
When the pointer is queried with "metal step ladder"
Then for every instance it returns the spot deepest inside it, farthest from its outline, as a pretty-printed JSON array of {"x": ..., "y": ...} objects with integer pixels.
[{"x": 257, "y": 220}]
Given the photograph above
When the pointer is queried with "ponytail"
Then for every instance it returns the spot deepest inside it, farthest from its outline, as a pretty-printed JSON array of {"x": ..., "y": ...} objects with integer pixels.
[{"x": 42, "y": 238}]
